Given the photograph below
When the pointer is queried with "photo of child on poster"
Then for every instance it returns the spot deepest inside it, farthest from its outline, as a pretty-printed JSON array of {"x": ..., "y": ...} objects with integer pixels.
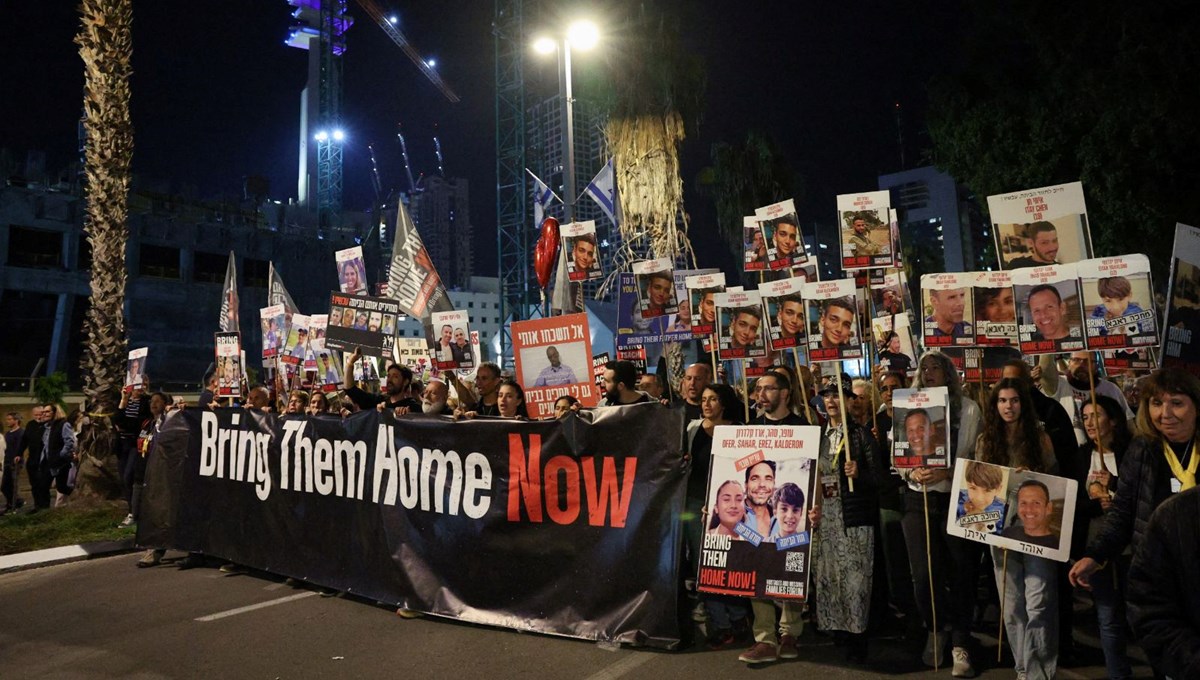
[
  {"x": 831, "y": 309},
  {"x": 761, "y": 489},
  {"x": 656, "y": 288},
  {"x": 352, "y": 272},
  {"x": 740, "y": 325},
  {"x": 580, "y": 244},
  {"x": 920, "y": 429},
  {"x": 1049, "y": 320},
  {"x": 1118, "y": 305},
  {"x": 1039, "y": 227},
  {"x": 1029, "y": 512}
]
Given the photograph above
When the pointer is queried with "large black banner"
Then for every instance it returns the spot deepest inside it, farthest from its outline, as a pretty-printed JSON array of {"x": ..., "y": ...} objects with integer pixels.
[{"x": 569, "y": 528}]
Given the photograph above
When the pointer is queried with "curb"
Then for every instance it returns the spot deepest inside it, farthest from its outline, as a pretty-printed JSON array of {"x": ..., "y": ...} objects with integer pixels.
[{"x": 63, "y": 555}]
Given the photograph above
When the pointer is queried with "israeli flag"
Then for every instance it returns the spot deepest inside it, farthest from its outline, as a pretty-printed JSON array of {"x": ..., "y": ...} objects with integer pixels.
[
  {"x": 543, "y": 198},
  {"x": 603, "y": 190}
]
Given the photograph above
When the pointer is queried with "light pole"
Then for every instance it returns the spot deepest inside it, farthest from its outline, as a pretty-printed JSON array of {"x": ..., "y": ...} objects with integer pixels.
[{"x": 582, "y": 36}]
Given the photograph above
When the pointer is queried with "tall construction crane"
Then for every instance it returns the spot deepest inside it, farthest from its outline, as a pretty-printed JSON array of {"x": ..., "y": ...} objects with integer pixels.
[{"x": 321, "y": 27}]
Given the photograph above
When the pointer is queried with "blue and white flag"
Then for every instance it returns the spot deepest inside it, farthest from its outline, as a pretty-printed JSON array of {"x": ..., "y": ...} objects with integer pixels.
[
  {"x": 603, "y": 190},
  {"x": 543, "y": 198}
]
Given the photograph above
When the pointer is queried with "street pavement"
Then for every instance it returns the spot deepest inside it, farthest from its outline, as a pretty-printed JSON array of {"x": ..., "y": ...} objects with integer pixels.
[{"x": 104, "y": 618}]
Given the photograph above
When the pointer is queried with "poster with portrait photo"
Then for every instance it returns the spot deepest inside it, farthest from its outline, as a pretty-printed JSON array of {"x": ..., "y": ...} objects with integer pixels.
[
  {"x": 781, "y": 229},
  {"x": 784, "y": 313},
  {"x": 995, "y": 309},
  {"x": 831, "y": 309},
  {"x": 352, "y": 271},
  {"x": 890, "y": 294},
  {"x": 865, "y": 230},
  {"x": 1118, "y": 302},
  {"x": 920, "y": 428},
  {"x": 1039, "y": 227},
  {"x": 582, "y": 248},
  {"x": 1181, "y": 330},
  {"x": 229, "y": 364},
  {"x": 317, "y": 325},
  {"x": 554, "y": 359},
  {"x": 1025, "y": 511},
  {"x": 754, "y": 245},
  {"x": 296, "y": 345},
  {"x": 740, "y": 325},
  {"x": 947, "y": 309},
  {"x": 989, "y": 360},
  {"x": 366, "y": 369},
  {"x": 1049, "y": 317},
  {"x": 701, "y": 288},
  {"x": 135, "y": 367},
  {"x": 273, "y": 320},
  {"x": 681, "y": 321},
  {"x": 329, "y": 370},
  {"x": 453, "y": 350},
  {"x": 364, "y": 324},
  {"x": 656, "y": 288},
  {"x": 414, "y": 353},
  {"x": 894, "y": 339},
  {"x": 761, "y": 487},
  {"x": 635, "y": 331}
]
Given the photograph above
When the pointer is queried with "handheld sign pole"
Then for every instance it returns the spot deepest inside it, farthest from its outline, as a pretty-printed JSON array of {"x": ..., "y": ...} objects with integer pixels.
[
  {"x": 1003, "y": 587},
  {"x": 803, "y": 387},
  {"x": 745, "y": 391},
  {"x": 1092, "y": 389},
  {"x": 929, "y": 570},
  {"x": 844, "y": 418}
]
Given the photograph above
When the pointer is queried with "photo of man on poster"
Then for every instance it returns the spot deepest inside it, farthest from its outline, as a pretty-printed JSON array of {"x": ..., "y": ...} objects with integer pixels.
[
  {"x": 1035, "y": 510},
  {"x": 837, "y": 323},
  {"x": 946, "y": 320},
  {"x": 1041, "y": 240}
]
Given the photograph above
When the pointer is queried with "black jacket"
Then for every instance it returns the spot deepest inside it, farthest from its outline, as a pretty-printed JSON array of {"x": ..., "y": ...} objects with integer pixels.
[
  {"x": 1144, "y": 483},
  {"x": 31, "y": 445},
  {"x": 1059, "y": 426},
  {"x": 1087, "y": 510},
  {"x": 860, "y": 508},
  {"x": 1164, "y": 603}
]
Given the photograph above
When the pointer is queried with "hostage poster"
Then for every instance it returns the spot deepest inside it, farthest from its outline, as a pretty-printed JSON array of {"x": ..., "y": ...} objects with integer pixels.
[
  {"x": 865, "y": 232},
  {"x": 739, "y": 329},
  {"x": 554, "y": 358},
  {"x": 757, "y": 540},
  {"x": 1181, "y": 332},
  {"x": 921, "y": 428},
  {"x": 634, "y": 330},
  {"x": 831, "y": 309},
  {"x": 363, "y": 321},
  {"x": 1118, "y": 303},
  {"x": 1049, "y": 320},
  {"x": 781, "y": 231},
  {"x": 1039, "y": 227},
  {"x": 946, "y": 309}
]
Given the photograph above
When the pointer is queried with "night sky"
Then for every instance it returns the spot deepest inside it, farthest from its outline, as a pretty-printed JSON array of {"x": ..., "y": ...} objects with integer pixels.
[{"x": 216, "y": 93}]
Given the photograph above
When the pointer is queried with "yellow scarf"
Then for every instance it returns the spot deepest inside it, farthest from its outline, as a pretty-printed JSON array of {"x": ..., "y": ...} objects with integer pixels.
[{"x": 1186, "y": 477}]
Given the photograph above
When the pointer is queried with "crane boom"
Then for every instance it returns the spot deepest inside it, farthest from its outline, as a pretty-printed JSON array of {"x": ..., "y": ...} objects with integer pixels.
[
  {"x": 412, "y": 186},
  {"x": 397, "y": 37}
]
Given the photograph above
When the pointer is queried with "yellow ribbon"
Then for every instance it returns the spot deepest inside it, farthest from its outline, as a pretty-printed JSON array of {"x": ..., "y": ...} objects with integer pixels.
[
  {"x": 1186, "y": 477},
  {"x": 840, "y": 447}
]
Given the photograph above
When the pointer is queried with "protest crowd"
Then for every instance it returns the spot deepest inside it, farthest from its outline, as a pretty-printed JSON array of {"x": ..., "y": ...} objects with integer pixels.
[{"x": 1063, "y": 481}]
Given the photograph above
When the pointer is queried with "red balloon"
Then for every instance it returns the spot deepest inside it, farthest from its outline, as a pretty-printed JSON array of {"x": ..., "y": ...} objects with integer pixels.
[{"x": 545, "y": 251}]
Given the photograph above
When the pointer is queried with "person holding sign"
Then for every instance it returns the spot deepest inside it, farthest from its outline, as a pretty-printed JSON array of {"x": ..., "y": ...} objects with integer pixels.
[
  {"x": 1012, "y": 437},
  {"x": 1160, "y": 461},
  {"x": 954, "y": 561},
  {"x": 844, "y": 552}
]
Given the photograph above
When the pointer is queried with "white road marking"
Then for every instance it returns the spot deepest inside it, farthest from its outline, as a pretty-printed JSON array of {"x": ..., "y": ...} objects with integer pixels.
[
  {"x": 260, "y": 605},
  {"x": 616, "y": 670}
]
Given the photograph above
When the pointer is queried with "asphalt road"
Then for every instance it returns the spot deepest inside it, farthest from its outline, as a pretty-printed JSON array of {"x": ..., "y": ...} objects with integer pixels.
[{"x": 105, "y": 619}]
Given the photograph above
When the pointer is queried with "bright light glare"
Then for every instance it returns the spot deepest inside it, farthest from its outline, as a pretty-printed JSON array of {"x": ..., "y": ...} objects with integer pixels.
[
  {"x": 431, "y": 63},
  {"x": 544, "y": 45},
  {"x": 393, "y": 20},
  {"x": 339, "y": 135},
  {"x": 322, "y": 135},
  {"x": 583, "y": 35}
]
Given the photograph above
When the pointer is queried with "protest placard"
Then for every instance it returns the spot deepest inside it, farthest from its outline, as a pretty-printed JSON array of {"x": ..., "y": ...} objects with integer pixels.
[
  {"x": 1038, "y": 227},
  {"x": 781, "y": 231},
  {"x": 920, "y": 428},
  {"x": 1049, "y": 317},
  {"x": 580, "y": 245},
  {"x": 832, "y": 311},
  {"x": 554, "y": 358},
  {"x": 995, "y": 309},
  {"x": 1118, "y": 302},
  {"x": 229, "y": 364},
  {"x": 947, "y": 311},
  {"x": 352, "y": 271},
  {"x": 453, "y": 350},
  {"x": 1181, "y": 330},
  {"x": 135, "y": 367},
  {"x": 363, "y": 320},
  {"x": 865, "y": 230}
]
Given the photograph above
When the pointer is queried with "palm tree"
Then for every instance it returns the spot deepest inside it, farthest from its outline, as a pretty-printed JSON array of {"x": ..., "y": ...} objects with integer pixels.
[{"x": 105, "y": 42}]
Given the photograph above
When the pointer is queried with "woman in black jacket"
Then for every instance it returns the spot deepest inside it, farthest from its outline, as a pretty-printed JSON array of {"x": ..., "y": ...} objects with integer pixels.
[
  {"x": 844, "y": 549},
  {"x": 1097, "y": 474},
  {"x": 1160, "y": 461}
]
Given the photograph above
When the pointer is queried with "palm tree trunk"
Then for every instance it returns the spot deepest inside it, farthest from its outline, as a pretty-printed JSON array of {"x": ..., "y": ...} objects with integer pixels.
[{"x": 105, "y": 42}]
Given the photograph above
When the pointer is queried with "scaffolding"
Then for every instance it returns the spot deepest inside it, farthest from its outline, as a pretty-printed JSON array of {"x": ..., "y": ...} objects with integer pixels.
[{"x": 513, "y": 219}]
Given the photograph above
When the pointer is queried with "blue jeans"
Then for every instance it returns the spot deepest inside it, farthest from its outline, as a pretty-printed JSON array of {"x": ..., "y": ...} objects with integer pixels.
[
  {"x": 1107, "y": 587},
  {"x": 723, "y": 610},
  {"x": 1030, "y": 587}
]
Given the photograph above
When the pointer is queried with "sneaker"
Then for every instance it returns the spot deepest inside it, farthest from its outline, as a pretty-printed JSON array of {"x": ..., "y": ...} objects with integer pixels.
[
  {"x": 232, "y": 568},
  {"x": 788, "y": 648},
  {"x": 127, "y": 522},
  {"x": 927, "y": 656},
  {"x": 761, "y": 652},
  {"x": 962, "y": 663},
  {"x": 719, "y": 639},
  {"x": 150, "y": 559}
]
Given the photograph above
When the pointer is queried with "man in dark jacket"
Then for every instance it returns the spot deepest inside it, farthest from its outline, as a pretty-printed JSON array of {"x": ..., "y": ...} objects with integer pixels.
[
  {"x": 1164, "y": 604},
  {"x": 12, "y": 461},
  {"x": 30, "y": 449}
]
